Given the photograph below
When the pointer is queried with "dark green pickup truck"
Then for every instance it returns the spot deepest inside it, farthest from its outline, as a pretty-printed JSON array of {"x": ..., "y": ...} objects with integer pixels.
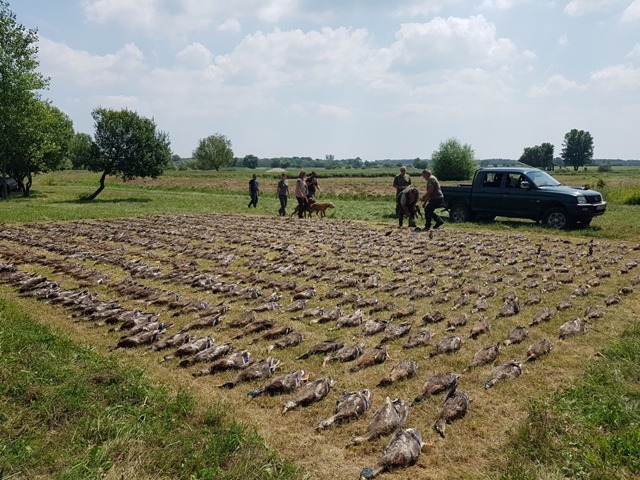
[{"x": 522, "y": 193}]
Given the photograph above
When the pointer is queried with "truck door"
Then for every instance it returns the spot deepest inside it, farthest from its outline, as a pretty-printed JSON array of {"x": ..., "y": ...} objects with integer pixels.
[
  {"x": 488, "y": 194},
  {"x": 519, "y": 202}
]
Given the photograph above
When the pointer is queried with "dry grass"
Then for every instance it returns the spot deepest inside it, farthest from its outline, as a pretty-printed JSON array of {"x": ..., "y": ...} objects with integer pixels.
[{"x": 474, "y": 445}]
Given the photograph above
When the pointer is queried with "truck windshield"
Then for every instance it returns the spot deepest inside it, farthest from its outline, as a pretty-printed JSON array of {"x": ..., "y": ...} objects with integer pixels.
[{"x": 542, "y": 179}]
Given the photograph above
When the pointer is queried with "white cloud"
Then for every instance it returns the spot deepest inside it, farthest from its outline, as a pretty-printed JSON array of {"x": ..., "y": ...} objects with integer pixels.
[
  {"x": 617, "y": 77},
  {"x": 231, "y": 25},
  {"x": 450, "y": 42},
  {"x": 195, "y": 55},
  {"x": 632, "y": 12},
  {"x": 563, "y": 40},
  {"x": 555, "y": 85},
  {"x": 635, "y": 51},
  {"x": 334, "y": 111},
  {"x": 423, "y": 8},
  {"x": 82, "y": 68},
  {"x": 274, "y": 10},
  {"x": 503, "y": 4},
  {"x": 578, "y": 8}
]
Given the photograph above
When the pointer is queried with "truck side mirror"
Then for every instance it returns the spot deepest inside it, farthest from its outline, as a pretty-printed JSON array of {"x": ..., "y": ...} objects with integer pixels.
[{"x": 524, "y": 184}]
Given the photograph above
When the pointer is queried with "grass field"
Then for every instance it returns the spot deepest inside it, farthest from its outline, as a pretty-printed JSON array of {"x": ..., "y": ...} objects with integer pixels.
[{"x": 586, "y": 389}]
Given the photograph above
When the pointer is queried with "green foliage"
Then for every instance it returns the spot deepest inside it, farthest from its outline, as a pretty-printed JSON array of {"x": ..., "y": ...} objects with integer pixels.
[
  {"x": 453, "y": 161},
  {"x": 577, "y": 148},
  {"x": 590, "y": 431},
  {"x": 213, "y": 153},
  {"x": 127, "y": 145},
  {"x": 605, "y": 167},
  {"x": 70, "y": 413},
  {"x": 81, "y": 149},
  {"x": 540, "y": 156},
  {"x": 632, "y": 199},
  {"x": 250, "y": 161},
  {"x": 420, "y": 164}
]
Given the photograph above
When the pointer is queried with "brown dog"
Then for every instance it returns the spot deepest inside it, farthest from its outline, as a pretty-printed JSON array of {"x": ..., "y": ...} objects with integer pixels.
[
  {"x": 320, "y": 208},
  {"x": 307, "y": 210}
]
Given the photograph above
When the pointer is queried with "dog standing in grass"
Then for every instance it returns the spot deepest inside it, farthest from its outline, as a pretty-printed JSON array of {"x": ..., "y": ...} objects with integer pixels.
[{"x": 320, "y": 208}]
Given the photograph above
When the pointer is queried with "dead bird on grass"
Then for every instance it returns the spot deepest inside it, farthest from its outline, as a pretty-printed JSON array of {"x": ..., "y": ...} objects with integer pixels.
[
  {"x": 210, "y": 354},
  {"x": 349, "y": 406},
  {"x": 312, "y": 392},
  {"x": 517, "y": 335},
  {"x": 345, "y": 354},
  {"x": 406, "y": 368},
  {"x": 506, "y": 371},
  {"x": 438, "y": 383},
  {"x": 484, "y": 356},
  {"x": 538, "y": 349},
  {"x": 402, "y": 451},
  {"x": 447, "y": 345},
  {"x": 280, "y": 385},
  {"x": 572, "y": 327},
  {"x": 387, "y": 419},
  {"x": 257, "y": 371},
  {"x": 235, "y": 361},
  {"x": 455, "y": 407},
  {"x": 369, "y": 358}
]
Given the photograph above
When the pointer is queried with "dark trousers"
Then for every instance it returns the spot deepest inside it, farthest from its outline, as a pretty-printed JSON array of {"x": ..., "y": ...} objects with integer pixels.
[
  {"x": 254, "y": 200},
  {"x": 303, "y": 205},
  {"x": 429, "y": 212},
  {"x": 283, "y": 205}
]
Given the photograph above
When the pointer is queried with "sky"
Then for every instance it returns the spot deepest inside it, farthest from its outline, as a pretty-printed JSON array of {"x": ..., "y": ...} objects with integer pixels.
[{"x": 375, "y": 79}]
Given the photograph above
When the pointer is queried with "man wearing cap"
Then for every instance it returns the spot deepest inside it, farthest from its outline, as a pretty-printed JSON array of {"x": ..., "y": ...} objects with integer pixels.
[{"x": 400, "y": 182}]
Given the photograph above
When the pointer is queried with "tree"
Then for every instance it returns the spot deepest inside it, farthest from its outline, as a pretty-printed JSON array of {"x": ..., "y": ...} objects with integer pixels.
[
  {"x": 250, "y": 161},
  {"x": 81, "y": 149},
  {"x": 420, "y": 164},
  {"x": 577, "y": 148},
  {"x": 453, "y": 161},
  {"x": 127, "y": 145},
  {"x": 19, "y": 99},
  {"x": 213, "y": 152},
  {"x": 540, "y": 156}
]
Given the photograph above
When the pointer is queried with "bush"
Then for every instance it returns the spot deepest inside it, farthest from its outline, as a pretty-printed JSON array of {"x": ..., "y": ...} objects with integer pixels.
[
  {"x": 604, "y": 168},
  {"x": 632, "y": 199}
]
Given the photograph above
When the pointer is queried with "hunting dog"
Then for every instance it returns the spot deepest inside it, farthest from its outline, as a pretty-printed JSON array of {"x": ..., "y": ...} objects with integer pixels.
[
  {"x": 307, "y": 210},
  {"x": 320, "y": 208}
]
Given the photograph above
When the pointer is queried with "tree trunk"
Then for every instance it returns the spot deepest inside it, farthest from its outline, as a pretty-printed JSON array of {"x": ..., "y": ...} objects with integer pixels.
[{"x": 100, "y": 188}]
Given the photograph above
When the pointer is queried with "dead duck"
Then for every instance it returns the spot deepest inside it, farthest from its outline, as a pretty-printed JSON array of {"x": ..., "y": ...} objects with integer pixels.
[
  {"x": 351, "y": 320},
  {"x": 458, "y": 320},
  {"x": 235, "y": 361},
  {"x": 255, "y": 327},
  {"x": 510, "y": 308},
  {"x": 209, "y": 355},
  {"x": 438, "y": 383},
  {"x": 506, "y": 371},
  {"x": 371, "y": 327},
  {"x": 461, "y": 301},
  {"x": 388, "y": 418},
  {"x": 143, "y": 338},
  {"x": 204, "y": 322},
  {"x": 611, "y": 299},
  {"x": 326, "y": 346},
  {"x": 316, "y": 312},
  {"x": 480, "y": 305},
  {"x": 290, "y": 340},
  {"x": 345, "y": 354},
  {"x": 245, "y": 319},
  {"x": 330, "y": 316},
  {"x": 572, "y": 327},
  {"x": 419, "y": 339},
  {"x": 402, "y": 451},
  {"x": 369, "y": 358},
  {"x": 193, "y": 347},
  {"x": 565, "y": 304},
  {"x": 257, "y": 371},
  {"x": 455, "y": 406},
  {"x": 517, "y": 335},
  {"x": 484, "y": 356},
  {"x": 433, "y": 317},
  {"x": 312, "y": 392},
  {"x": 383, "y": 307},
  {"x": 307, "y": 294},
  {"x": 447, "y": 345},
  {"x": 538, "y": 349},
  {"x": 406, "y": 368},
  {"x": 395, "y": 330},
  {"x": 349, "y": 406},
  {"x": 274, "y": 333},
  {"x": 593, "y": 312},
  {"x": 480, "y": 326},
  {"x": 280, "y": 385},
  {"x": 403, "y": 312},
  {"x": 543, "y": 315},
  {"x": 297, "y": 306}
]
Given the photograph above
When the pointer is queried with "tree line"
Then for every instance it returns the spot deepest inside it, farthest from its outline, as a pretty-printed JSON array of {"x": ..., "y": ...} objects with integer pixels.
[{"x": 37, "y": 137}]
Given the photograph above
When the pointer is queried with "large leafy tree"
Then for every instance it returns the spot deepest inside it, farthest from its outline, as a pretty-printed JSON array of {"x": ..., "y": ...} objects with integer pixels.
[
  {"x": 213, "y": 152},
  {"x": 250, "y": 161},
  {"x": 577, "y": 148},
  {"x": 540, "y": 156},
  {"x": 453, "y": 161},
  {"x": 20, "y": 104},
  {"x": 81, "y": 150},
  {"x": 127, "y": 145}
]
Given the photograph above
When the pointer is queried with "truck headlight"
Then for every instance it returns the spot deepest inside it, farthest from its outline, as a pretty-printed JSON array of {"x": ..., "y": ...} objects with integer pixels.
[{"x": 581, "y": 199}]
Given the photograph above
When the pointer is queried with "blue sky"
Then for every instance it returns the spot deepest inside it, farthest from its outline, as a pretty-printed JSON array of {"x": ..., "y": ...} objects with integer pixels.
[{"x": 371, "y": 79}]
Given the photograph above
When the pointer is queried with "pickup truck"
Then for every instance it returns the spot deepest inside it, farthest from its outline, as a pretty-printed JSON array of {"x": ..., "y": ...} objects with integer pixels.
[{"x": 522, "y": 193}]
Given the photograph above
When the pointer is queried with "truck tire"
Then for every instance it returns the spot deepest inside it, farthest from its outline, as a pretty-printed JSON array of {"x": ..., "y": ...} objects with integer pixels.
[
  {"x": 460, "y": 213},
  {"x": 557, "y": 218}
]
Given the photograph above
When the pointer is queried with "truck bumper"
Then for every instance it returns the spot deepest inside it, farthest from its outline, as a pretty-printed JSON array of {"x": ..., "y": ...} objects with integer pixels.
[{"x": 588, "y": 210}]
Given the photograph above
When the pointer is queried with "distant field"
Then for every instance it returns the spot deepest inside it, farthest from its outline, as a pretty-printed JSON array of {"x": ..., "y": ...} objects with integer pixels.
[{"x": 171, "y": 234}]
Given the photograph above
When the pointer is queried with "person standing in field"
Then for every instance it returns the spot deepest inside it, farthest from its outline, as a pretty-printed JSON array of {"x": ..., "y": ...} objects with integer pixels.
[
  {"x": 302, "y": 193},
  {"x": 283, "y": 194},
  {"x": 400, "y": 182},
  {"x": 254, "y": 191},
  {"x": 433, "y": 199},
  {"x": 312, "y": 185}
]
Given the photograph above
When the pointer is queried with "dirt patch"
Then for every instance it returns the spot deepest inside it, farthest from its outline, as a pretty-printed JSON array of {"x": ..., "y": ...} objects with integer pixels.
[{"x": 182, "y": 268}]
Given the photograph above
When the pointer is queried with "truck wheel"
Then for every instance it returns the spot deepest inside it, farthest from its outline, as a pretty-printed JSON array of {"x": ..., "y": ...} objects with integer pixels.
[
  {"x": 460, "y": 213},
  {"x": 557, "y": 218}
]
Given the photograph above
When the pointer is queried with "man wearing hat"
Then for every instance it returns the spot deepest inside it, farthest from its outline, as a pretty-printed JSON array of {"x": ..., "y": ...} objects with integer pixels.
[{"x": 400, "y": 182}]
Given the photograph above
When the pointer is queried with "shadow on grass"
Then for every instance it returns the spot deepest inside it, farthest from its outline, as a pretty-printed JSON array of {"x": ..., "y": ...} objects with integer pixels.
[{"x": 108, "y": 201}]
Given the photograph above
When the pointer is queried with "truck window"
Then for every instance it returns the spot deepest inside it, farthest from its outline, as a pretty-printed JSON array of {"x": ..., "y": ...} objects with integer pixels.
[{"x": 492, "y": 180}]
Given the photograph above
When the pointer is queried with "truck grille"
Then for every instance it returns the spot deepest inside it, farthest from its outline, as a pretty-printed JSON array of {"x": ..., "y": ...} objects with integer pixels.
[{"x": 594, "y": 198}]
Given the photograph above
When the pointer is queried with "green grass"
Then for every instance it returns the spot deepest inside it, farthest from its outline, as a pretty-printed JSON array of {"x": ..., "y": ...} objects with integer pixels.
[
  {"x": 68, "y": 413},
  {"x": 591, "y": 431}
]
